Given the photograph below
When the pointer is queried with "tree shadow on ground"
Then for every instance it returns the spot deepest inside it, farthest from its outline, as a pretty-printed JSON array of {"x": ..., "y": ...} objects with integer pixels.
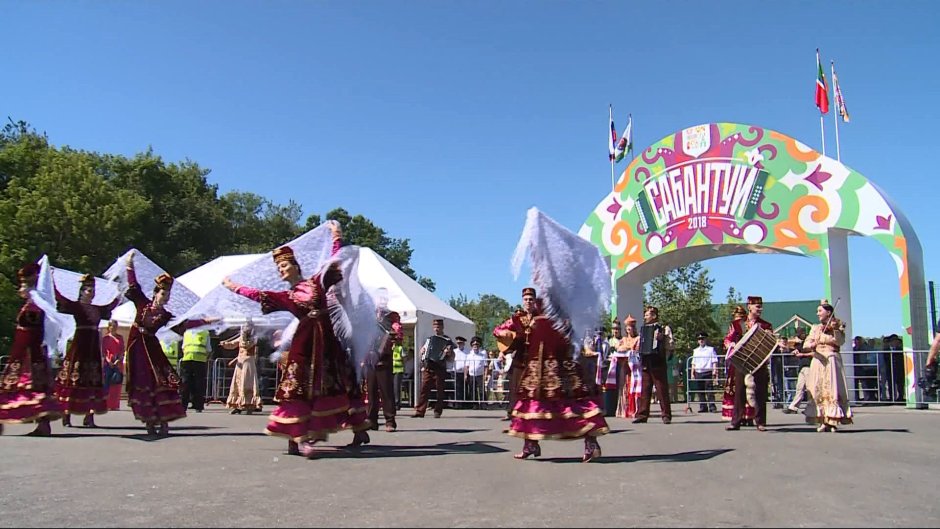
[
  {"x": 386, "y": 451},
  {"x": 680, "y": 457}
]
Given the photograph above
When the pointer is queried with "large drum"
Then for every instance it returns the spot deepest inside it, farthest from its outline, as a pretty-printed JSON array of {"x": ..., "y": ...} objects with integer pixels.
[{"x": 752, "y": 351}]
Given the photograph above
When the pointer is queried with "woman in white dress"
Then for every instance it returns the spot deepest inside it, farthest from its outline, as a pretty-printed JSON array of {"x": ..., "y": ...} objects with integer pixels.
[{"x": 244, "y": 394}]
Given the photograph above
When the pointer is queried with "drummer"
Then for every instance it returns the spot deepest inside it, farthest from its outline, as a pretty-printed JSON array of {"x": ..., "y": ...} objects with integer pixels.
[{"x": 736, "y": 331}]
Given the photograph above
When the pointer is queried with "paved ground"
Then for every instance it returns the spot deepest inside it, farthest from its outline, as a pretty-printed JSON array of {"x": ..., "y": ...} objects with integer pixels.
[{"x": 458, "y": 471}]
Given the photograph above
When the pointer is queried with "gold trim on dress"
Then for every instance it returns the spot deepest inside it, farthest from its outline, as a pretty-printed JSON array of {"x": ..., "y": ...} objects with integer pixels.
[{"x": 563, "y": 436}]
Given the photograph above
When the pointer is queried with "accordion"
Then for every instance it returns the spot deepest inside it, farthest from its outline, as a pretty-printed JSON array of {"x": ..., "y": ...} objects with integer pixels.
[
  {"x": 649, "y": 345},
  {"x": 436, "y": 347}
]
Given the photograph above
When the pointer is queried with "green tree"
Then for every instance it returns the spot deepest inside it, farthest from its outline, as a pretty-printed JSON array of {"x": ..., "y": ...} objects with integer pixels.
[
  {"x": 256, "y": 225},
  {"x": 683, "y": 297},
  {"x": 486, "y": 312},
  {"x": 22, "y": 151},
  {"x": 186, "y": 224}
]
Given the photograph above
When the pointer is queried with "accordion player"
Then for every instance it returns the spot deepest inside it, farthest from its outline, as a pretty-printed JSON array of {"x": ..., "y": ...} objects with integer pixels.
[
  {"x": 435, "y": 350},
  {"x": 649, "y": 344}
]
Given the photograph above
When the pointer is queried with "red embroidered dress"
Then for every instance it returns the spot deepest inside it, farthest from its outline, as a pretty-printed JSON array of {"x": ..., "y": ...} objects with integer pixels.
[
  {"x": 318, "y": 393},
  {"x": 152, "y": 383},
  {"x": 552, "y": 400},
  {"x": 79, "y": 385},
  {"x": 26, "y": 384}
]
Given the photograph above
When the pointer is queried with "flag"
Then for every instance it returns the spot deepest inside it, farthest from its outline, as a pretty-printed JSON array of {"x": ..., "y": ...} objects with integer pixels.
[
  {"x": 625, "y": 144},
  {"x": 822, "y": 90},
  {"x": 611, "y": 144},
  {"x": 840, "y": 101}
]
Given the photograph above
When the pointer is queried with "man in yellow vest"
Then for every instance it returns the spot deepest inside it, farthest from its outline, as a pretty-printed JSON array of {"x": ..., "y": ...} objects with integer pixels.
[
  {"x": 172, "y": 351},
  {"x": 398, "y": 373},
  {"x": 194, "y": 367}
]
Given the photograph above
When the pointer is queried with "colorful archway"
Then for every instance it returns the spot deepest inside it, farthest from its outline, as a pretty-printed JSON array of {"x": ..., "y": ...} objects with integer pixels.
[{"x": 725, "y": 188}]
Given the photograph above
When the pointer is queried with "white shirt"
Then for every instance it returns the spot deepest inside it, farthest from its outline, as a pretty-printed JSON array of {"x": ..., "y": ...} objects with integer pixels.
[
  {"x": 475, "y": 362},
  {"x": 704, "y": 358},
  {"x": 457, "y": 363}
]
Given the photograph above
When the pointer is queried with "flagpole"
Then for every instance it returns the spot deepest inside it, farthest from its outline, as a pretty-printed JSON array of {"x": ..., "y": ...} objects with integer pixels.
[
  {"x": 612, "y": 175},
  {"x": 835, "y": 115},
  {"x": 822, "y": 131}
]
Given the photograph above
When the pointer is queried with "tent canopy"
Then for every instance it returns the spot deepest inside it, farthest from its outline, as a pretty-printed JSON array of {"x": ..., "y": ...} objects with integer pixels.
[{"x": 417, "y": 305}]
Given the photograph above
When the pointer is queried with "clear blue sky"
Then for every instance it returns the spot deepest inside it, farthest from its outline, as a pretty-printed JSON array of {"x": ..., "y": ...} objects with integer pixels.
[{"x": 444, "y": 121}]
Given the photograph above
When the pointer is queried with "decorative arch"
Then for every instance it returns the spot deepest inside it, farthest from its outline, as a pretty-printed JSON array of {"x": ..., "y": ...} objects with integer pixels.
[{"x": 723, "y": 189}]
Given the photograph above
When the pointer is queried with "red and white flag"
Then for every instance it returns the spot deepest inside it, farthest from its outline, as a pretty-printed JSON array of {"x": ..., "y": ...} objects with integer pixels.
[{"x": 822, "y": 89}]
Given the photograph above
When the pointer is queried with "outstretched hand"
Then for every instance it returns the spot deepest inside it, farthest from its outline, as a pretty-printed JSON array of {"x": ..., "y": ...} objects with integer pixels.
[
  {"x": 229, "y": 284},
  {"x": 130, "y": 258}
]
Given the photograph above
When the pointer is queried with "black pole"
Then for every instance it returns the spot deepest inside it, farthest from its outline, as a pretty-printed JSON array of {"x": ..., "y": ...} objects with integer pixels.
[{"x": 933, "y": 308}]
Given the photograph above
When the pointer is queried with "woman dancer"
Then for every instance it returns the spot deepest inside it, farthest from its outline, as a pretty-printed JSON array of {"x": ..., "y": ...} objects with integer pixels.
[
  {"x": 25, "y": 387},
  {"x": 244, "y": 394},
  {"x": 112, "y": 348},
  {"x": 552, "y": 400},
  {"x": 829, "y": 403},
  {"x": 318, "y": 393},
  {"x": 631, "y": 370},
  {"x": 152, "y": 383},
  {"x": 79, "y": 385}
]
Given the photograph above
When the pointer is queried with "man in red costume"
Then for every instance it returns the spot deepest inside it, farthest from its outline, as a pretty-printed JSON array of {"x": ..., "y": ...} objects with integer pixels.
[{"x": 736, "y": 331}]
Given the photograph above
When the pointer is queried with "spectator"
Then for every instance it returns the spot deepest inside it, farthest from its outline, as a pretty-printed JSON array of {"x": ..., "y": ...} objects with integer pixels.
[
  {"x": 457, "y": 371},
  {"x": 704, "y": 374},
  {"x": 474, "y": 367},
  {"x": 866, "y": 370}
]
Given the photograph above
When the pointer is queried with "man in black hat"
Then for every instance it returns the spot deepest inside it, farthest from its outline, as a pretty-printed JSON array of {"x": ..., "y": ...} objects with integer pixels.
[
  {"x": 704, "y": 374},
  {"x": 434, "y": 354},
  {"x": 474, "y": 368},
  {"x": 457, "y": 366}
]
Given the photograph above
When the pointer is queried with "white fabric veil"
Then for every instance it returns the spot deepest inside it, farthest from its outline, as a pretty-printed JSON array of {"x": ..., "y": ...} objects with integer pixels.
[
  {"x": 571, "y": 277},
  {"x": 181, "y": 298},
  {"x": 54, "y": 323},
  {"x": 352, "y": 308},
  {"x": 311, "y": 250}
]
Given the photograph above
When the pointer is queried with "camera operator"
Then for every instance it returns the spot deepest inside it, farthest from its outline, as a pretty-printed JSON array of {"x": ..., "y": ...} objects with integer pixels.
[{"x": 930, "y": 369}]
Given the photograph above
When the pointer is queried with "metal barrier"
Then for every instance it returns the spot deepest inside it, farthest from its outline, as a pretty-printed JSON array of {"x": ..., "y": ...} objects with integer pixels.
[
  {"x": 220, "y": 374},
  {"x": 872, "y": 377}
]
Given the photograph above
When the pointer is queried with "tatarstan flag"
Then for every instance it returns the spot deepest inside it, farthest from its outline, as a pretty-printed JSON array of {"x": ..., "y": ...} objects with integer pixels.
[{"x": 822, "y": 89}]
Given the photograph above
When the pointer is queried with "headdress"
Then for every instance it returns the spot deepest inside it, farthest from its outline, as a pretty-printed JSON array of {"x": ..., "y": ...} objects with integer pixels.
[
  {"x": 438, "y": 322},
  {"x": 28, "y": 273},
  {"x": 528, "y": 291},
  {"x": 284, "y": 253},
  {"x": 739, "y": 311},
  {"x": 87, "y": 279},
  {"x": 755, "y": 300},
  {"x": 164, "y": 281},
  {"x": 630, "y": 320}
]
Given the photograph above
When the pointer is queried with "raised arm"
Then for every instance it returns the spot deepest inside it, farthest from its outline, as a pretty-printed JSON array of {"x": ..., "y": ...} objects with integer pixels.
[
  {"x": 134, "y": 292},
  {"x": 64, "y": 304},
  {"x": 271, "y": 301}
]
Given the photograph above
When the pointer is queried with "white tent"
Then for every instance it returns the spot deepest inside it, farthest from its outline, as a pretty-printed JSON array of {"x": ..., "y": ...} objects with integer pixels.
[
  {"x": 417, "y": 305},
  {"x": 200, "y": 280}
]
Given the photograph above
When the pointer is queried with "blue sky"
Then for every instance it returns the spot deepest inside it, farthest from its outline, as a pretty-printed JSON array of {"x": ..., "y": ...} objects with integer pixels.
[{"x": 445, "y": 121}]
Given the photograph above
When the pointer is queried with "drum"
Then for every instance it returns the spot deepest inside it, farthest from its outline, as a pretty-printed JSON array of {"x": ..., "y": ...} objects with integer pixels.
[{"x": 752, "y": 351}]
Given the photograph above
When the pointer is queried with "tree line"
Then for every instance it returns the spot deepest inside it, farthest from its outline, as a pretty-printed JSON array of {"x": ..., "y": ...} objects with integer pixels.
[{"x": 85, "y": 208}]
